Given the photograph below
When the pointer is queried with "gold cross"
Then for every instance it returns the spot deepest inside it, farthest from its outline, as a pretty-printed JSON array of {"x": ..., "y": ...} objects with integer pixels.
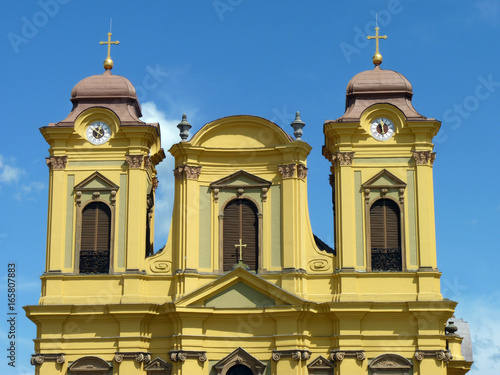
[
  {"x": 241, "y": 246},
  {"x": 376, "y": 37},
  {"x": 109, "y": 43}
]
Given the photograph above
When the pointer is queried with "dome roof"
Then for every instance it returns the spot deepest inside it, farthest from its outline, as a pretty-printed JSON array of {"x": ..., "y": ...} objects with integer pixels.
[
  {"x": 378, "y": 81},
  {"x": 104, "y": 85}
]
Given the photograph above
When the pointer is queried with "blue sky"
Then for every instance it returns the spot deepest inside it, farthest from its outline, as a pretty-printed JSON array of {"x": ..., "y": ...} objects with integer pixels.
[{"x": 216, "y": 58}]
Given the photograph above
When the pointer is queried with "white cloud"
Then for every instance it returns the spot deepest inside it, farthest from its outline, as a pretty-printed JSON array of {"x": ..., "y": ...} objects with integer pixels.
[
  {"x": 165, "y": 192},
  {"x": 482, "y": 314},
  {"x": 9, "y": 173}
]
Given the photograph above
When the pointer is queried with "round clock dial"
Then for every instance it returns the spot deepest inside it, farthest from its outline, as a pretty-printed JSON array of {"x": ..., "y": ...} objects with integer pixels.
[
  {"x": 382, "y": 129},
  {"x": 98, "y": 133}
]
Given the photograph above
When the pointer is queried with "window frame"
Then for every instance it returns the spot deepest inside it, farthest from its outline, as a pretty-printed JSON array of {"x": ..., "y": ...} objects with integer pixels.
[
  {"x": 259, "y": 232},
  {"x": 78, "y": 237}
]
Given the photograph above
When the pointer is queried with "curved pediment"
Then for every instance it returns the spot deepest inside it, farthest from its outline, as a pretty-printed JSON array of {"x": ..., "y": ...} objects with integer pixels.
[{"x": 240, "y": 132}]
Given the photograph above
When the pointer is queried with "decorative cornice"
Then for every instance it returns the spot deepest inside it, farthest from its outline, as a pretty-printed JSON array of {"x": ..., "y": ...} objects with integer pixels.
[
  {"x": 301, "y": 171},
  {"x": 286, "y": 170},
  {"x": 339, "y": 355},
  {"x": 190, "y": 172},
  {"x": 424, "y": 157},
  {"x": 294, "y": 354},
  {"x": 134, "y": 161},
  {"x": 440, "y": 355},
  {"x": 57, "y": 162},
  {"x": 136, "y": 356},
  {"x": 182, "y": 355},
  {"x": 344, "y": 158},
  {"x": 38, "y": 359}
]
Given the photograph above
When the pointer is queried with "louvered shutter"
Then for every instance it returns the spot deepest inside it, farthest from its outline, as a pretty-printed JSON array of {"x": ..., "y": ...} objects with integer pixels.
[
  {"x": 385, "y": 236},
  {"x": 231, "y": 234},
  {"x": 95, "y": 238},
  {"x": 250, "y": 230},
  {"x": 240, "y": 221}
]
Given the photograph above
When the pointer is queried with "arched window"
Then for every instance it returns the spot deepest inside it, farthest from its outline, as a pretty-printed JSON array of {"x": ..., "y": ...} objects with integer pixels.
[
  {"x": 385, "y": 236},
  {"x": 95, "y": 238},
  {"x": 240, "y": 227}
]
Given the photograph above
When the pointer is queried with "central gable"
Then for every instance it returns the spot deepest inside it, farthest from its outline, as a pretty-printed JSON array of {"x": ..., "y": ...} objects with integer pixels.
[
  {"x": 239, "y": 289},
  {"x": 240, "y": 132},
  {"x": 239, "y": 295}
]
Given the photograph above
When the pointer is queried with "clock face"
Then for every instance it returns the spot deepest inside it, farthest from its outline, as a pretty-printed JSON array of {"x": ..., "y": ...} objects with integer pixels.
[
  {"x": 98, "y": 133},
  {"x": 382, "y": 129}
]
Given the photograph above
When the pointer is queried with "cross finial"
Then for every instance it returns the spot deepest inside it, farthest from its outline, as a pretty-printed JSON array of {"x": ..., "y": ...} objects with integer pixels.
[
  {"x": 241, "y": 246},
  {"x": 377, "y": 58},
  {"x": 108, "y": 63}
]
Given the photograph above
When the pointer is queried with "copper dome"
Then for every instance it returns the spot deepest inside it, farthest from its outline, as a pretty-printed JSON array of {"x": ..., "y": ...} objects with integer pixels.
[
  {"x": 104, "y": 85},
  {"x": 379, "y": 81}
]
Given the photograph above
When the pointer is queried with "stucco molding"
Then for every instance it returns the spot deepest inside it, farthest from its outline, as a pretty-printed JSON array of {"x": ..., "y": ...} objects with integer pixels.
[
  {"x": 140, "y": 357},
  {"x": 440, "y": 355},
  {"x": 182, "y": 355},
  {"x": 294, "y": 354},
  {"x": 155, "y": 183},
  {"x": 147, "y": 162},
  {"x": 134, "y": 161},
  {"x": 287, "y": 170},
  {"x": 321, "y": 365},
  {"x": 189, "y": 172},
  {"x": 159, "y": 366},
  {"x": 424, "y": 157},
  {"x": 344, "y": 158},
  {"x": 239, "y": 357},
  {"x": 340, "y": 355},
  {"x": 301, "y": 171},
  {"x": 38, "y": 359},
  {"x": 57, "y": 162}
]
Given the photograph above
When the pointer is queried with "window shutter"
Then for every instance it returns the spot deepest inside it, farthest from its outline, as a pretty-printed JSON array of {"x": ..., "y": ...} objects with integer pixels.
[
  {"x": 240, "y": 221},
  {"x": 95, "y": 238},
  {"x": 231, "y": 234},
  {"x": 385, "y": 236},
  {"x": 250, "y": 230}
]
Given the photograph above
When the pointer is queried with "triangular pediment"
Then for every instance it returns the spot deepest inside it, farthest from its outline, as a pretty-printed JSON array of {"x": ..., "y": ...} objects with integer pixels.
[
  {"x": 320, "y": 363},
  {"x": 240, "y": 179},
  {"x": 158, "y": 364},
  {"x": 239, "y": 357},
  {"x": 96, "y": 181},
  {"x": 384, "y": 179},
  {"x": 239, "y": 289}
]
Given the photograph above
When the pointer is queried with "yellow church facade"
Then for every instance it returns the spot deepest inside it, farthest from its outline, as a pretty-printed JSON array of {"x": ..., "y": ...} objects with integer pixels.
[{"x": 243, "y": 286}]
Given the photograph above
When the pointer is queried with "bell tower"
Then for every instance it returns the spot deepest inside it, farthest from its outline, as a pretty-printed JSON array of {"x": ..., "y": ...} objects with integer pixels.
[
  {"x": 102, "y": 183},
  {"x": 382, "y": 157}
]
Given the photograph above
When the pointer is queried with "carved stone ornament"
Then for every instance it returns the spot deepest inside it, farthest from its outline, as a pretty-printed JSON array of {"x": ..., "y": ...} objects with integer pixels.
[
  {"x": 57, "y": 162},
  {"x": 216, "y": 194},
  {"x": 239, "y": 357},
  {"x": 264, "y": 194},
  {"x": 390, "y": 361},
  {"x": 182, "y": 355},
  {"x": 286, "y": 170},
  {"x": 340, "y": 355},
  {"x": 38, "y": 359},
  {"x": 155, "y": 183},
  {"x": 440, "y": 355},
  {"x": 136, "y": 356},
  {"x": 321, "y": 365},
  {"x": 424, "y": 157},
  {"x": 240, "y": 192},
  {"x": 134, "y": 161},
  {"x": 190, "y": 172},
  {"x": 344, "y": 158},
  {"x": 91, "y": 364},
  {"x": 159, "y": 366},
  {"x": 301, "y": 171},
  {"x": 147, "y": 162},
  {"x": 294, "y": 354}
]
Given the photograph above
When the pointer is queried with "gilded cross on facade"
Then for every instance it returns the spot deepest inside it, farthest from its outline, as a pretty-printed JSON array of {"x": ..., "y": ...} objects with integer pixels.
[
  {"x": 377, "y": 58},
  {"x": 108, "y": 63},
  {"x": 241, "y": 246}
]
